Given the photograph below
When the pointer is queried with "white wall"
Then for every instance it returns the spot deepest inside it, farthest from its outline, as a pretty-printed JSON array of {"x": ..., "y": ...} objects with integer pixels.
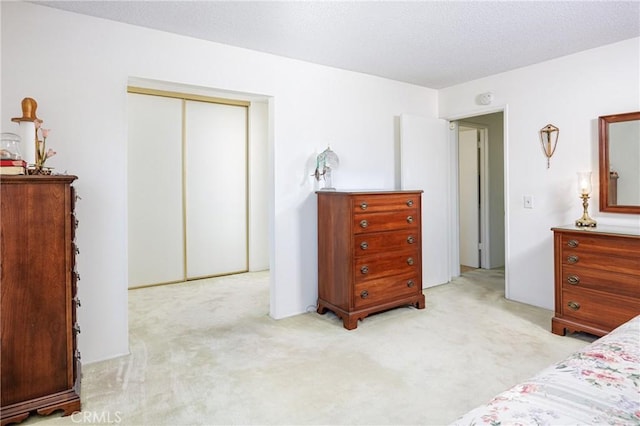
[
  {"x": 78, "y": 67},
  {"x": 570, "y": 93},
  {"x": 258, "y": 186}
]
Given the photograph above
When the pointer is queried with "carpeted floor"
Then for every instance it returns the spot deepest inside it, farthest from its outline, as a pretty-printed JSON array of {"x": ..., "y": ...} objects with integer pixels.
[{"x": 207, "y": 353}]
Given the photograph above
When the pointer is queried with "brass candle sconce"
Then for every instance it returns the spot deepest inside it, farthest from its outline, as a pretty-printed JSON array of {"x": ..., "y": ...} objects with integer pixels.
[{"x": 549, "y": 140}]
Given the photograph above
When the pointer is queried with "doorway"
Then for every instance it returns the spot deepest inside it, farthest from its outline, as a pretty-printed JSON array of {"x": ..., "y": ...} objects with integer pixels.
[
  {"x": 471, "y": 190},
  {"x": 200, "y": 235},
  {"x": 481, "y": 191}
]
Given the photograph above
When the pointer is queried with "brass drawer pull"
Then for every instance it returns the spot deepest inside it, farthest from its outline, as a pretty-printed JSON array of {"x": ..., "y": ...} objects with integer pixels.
[
  {"x": 410, "y": 239},
  {"x": 573, "y": 305},
  {"x": 573, "y": 279},
  {"x": 409, "y": 219},
  {"x": 364, "y": 294},
  {"x": 572, "y": 259},
  {"x": 364, "y": 223},
  {"x": 410, "y": 283},
  {"x": 410, "y": 261},
  {"x": 363, "y": 205},
  {"x": 364, "y": 269},
  {"x": 364, "y": 245},
  {"x": 409, "y": 203},
  {"x": 573, "y": 243}
]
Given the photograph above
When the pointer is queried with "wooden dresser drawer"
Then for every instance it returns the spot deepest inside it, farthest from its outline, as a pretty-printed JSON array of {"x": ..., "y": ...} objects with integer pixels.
[
  {"x": 376, "y": 222},
  {"x": 594, "y": 260},
  {"x": 597, "y": 279},
  {"x": 603, "y": 309},
  {"x": 375, "y": 203},
  {"x": 396, "y": 262},
  {"x": 376, "y": 291},
  {"x": 381, "y": 242},
  {"x": 618, "y": 246}
]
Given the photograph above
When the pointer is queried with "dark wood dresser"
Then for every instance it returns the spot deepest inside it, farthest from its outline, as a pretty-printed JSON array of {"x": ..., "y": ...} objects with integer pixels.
[
  {"x": 597, "y": 278},
  {"x": 40, "y": 362},
  {"x": 369, "y": 252}
]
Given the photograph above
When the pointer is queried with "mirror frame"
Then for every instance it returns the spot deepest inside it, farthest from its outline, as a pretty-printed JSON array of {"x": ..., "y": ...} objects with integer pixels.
[{"x": 603, "y": 125}]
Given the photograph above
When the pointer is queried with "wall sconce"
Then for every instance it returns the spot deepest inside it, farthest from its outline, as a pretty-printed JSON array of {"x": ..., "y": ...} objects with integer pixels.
[
  {"x": 584, "y": 184},
  {"x": 549, "y": 139}
]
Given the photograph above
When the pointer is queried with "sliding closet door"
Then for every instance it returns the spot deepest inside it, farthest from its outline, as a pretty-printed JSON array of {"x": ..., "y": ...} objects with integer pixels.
[
  {"x": 215, "y": 188},
  {"x": 156, "y": 242}
]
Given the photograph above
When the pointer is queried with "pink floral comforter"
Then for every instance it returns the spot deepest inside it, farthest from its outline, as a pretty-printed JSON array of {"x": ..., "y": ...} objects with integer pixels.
[{"x": 599, "y": 385}]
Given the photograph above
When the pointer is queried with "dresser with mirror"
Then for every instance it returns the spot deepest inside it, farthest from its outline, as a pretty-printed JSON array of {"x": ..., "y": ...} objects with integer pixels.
[{"x": 597, "y": 270}]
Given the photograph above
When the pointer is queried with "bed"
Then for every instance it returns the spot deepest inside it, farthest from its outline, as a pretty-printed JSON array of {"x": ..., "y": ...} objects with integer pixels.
[{"x": 598, "y": 385}]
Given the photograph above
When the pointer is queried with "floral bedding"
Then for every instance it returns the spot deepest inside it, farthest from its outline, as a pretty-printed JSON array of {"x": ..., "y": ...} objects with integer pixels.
[{"x": 598, "y": 385}]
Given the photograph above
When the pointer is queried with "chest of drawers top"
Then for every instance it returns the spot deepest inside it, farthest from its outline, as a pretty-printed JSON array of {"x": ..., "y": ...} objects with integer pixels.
[
  {"x": 385, "y": 197},
  {"x": 622, "y": 231}
]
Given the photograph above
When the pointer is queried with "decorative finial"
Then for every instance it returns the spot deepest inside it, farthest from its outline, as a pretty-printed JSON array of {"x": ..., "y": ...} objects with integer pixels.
[{"x": 29, "y": 106}]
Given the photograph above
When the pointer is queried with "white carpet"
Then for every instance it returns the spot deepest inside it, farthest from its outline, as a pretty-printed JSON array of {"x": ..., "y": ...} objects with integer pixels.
[{"x": 207, "y": 353}]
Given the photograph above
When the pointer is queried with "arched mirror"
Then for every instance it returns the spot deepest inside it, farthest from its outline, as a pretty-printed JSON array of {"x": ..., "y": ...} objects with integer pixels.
[{"x": 620, "y": 163}]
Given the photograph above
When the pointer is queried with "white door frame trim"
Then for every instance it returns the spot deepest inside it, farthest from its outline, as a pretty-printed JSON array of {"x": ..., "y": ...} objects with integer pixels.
[
  {"x": 483, "y": 171},
  {"x": 454, "y": 266}
]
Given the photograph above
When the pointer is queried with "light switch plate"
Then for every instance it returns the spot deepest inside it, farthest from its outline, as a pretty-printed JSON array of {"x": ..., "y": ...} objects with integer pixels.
[{"x": 528, "y": 201}]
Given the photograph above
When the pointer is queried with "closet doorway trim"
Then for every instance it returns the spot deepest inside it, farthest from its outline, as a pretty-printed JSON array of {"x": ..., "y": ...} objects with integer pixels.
[{"x": 208, "y": 99}]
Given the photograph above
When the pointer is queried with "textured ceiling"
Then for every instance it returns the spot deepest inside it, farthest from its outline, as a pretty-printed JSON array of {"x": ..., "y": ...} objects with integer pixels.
[{"x": 430, "y": 43}]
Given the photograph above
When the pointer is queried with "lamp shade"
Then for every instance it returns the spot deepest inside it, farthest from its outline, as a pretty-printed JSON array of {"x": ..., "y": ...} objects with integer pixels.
[{"x": 584, "y": 183}]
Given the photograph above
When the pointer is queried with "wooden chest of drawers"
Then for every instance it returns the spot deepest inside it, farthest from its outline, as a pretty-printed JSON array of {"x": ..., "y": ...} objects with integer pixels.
[
  {"x": 597, "y": 278},
  {"x": 369, "y": 253},
  {"x": 40, "y": 361}
]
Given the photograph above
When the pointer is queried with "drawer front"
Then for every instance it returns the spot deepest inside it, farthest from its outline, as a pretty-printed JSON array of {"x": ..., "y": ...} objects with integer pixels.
[
  {"x": 374, "y": 267},
  {"x": 387, "y": 289},
  {"x": 375, "y": 203},
  {"x": 387, "y": 221},
  {"x": 380, "y": 242},
  {"x": 591, "y": 259},
  {"x": 598, "y": 308},
  {"x": 597, "y": 279},
  {"x": 618, "y": 246}
]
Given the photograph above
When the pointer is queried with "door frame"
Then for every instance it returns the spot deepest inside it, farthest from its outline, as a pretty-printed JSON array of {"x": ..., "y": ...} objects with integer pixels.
[
  {"x": 454, "y": 202},
  {"x": 147, "y": 89},
  {"x": 483, "y": 197}
]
